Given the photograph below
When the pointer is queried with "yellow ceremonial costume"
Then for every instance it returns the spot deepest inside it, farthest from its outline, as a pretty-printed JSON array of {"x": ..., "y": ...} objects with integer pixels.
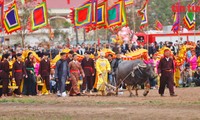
[
  {"x": 102, "y": 68},
  {"x": 177, "y": 76}
]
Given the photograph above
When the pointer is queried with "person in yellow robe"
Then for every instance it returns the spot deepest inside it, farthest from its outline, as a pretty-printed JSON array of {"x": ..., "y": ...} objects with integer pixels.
[{"x": 102, "y": 68}]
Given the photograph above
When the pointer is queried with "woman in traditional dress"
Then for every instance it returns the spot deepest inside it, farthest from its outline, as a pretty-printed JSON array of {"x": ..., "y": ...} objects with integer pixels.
[{"x": 30, "y": 83}]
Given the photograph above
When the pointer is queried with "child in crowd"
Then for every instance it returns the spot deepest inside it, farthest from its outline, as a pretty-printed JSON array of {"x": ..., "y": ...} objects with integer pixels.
[
  {"x": 53, "y": 87},
  {"x": 186, "y": 76}
]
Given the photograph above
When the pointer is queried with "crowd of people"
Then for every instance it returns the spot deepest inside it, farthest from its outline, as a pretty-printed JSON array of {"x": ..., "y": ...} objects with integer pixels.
[{"x": 92, "y": 72}]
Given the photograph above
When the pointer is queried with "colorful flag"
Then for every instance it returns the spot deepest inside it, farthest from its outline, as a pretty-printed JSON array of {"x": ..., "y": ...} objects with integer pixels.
[
  {"x": 39, "y": 17},
  {"x": 83, "y": 15},
  {"x": 143, "y": 13},
  {"x": 189, "y": 18},
  {"x": 176, "y": 25},
  {"x": 11, "y": 19},
  {"x": 124, "y": 19},
  {"x": 102, "y": 15},
  {"x": 115, "y": 14},
  {"x": 1, "y": 14},
  {"x": 128, "y": 2},
  {"x": 158, "y": 25}
]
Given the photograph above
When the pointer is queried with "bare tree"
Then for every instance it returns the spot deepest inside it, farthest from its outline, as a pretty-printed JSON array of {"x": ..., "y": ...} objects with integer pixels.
[{"x": 24, "y": 13}]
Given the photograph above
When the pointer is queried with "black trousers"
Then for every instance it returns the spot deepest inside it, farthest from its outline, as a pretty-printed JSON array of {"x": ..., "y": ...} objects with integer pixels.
[
  {"x": 18, "y": 83},
  {"x": 5, "y": 85},
  {"x": 166, "y": 79},
  {"x": 46, "y": 80},
  {"x": 87, "y": 81}
]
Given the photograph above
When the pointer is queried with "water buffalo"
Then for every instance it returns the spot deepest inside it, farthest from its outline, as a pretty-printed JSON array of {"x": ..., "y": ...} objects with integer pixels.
[{"x": 134, "y": 73}]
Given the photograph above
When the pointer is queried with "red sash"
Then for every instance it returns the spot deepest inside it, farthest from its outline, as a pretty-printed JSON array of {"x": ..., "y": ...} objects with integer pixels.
[
  {"x": 18, "y": 71},
  {"x": 91, "y": 69},
  {"x": 74, "y": 71}
]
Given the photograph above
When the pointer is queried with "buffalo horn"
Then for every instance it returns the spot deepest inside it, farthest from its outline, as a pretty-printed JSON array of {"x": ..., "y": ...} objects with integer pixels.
[{"x": 142, "y": 65}]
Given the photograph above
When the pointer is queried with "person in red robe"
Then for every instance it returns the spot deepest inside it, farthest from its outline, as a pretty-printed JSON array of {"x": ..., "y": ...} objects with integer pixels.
[{"x": 75, "y": 72}]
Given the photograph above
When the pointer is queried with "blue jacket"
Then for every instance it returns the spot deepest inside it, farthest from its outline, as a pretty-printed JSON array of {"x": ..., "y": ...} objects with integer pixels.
[{"x": 62, "y": 70}]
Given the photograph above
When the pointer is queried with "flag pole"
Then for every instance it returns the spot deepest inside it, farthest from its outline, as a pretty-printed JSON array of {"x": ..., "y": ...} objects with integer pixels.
[
  {"x": 195, "y": 22},
  {"x": 96, "y": 34},
  {"x": 179, "y": 2},
  {"x": 133, "y": 9}
]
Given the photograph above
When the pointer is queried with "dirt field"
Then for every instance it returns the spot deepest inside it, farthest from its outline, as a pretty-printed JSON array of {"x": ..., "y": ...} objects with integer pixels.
[{"x": 153, "y": 107}]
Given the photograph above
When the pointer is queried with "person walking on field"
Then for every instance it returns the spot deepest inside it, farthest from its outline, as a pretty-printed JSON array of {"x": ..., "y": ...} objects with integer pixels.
[
  {"x": 166, "y": 71},
  {"x": 88, "y": 67},
  {"x": 102, "y": 68},
  {"x": 62, "y": 74},
  {"x": 44, "y": 70},
  {"x": 75, "y": 72}
]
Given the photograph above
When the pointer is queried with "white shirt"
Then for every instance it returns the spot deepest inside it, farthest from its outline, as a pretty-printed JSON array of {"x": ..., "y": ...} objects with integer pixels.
[{"x": 167, "y": 59}]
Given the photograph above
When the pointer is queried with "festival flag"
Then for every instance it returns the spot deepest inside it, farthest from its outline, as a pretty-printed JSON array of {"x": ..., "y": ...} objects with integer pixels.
[
  {"x": 83, "y": 15},
  {"x": 93, "y": 24},
  {"x": 124, "y": 19},
  {"x": 189, "y": 18},
  {"x": 39, "y": 17},
  {"x": 1, "y": 14},
  {"x": 128, "y": 2},
  {"x": 176, "y": 25},
  {"x": 158, "y": 25},
  {"x": 102, "y": 15},
  {"x": 115, "y": 14},
  {"x": 143, "y": 14},
  {"x": 11, "y": 20}
]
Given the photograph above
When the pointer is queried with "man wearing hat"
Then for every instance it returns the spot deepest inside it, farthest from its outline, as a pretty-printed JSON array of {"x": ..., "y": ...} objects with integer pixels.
[
  {"x": 166, "y": 71},
  {"x": 44, "y": 70},
  {"x": 18, "y": 73},
  {"x": 102, "y": 68},
  {"x": 88, "y": 68},
  {"x": 5, "y": 74},
  {"x": 62, "y": 74}
]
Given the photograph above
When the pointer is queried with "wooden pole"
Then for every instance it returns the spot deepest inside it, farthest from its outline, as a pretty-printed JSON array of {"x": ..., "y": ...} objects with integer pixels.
[
  {"x": 76, "y": 31},
  {"x": 195, "y": 23},
  {"x": 96, "y": 34},
  {"x": 133, "y": 10},
  {"x": 84, "y": 35},
  {"x": 107, "y": 35}
]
